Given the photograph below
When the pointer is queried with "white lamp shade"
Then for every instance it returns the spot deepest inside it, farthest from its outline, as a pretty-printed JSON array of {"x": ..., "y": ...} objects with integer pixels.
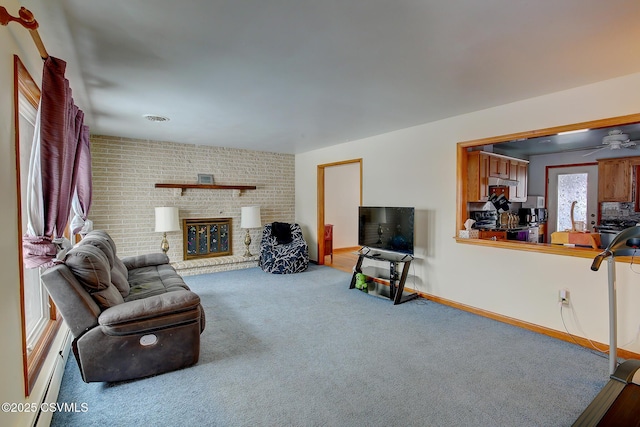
[
  {"x": 167, "y": 219},
  {"x": 250, "y": 217},
  {"x": 379, "y": 215}
]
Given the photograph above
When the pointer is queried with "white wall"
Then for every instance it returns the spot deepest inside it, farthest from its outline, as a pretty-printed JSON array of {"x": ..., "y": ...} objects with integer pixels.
[
  {"x": 522, "y": 285},
  {"x": 342, "y": 198},
  {"x": 14, "y": 40}
]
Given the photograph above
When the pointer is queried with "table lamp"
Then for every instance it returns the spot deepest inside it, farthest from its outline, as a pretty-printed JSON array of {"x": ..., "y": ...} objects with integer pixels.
[
  {"x": 250, "y": 218},
  {"x": 166, "y": 221}
]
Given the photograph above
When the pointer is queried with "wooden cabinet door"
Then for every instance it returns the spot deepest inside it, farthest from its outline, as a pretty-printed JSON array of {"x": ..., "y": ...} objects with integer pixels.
[
  {"x": 477, "y": 177},
  {"x": 614, "y": 180},
  {"x": 521, "y": 176},
  {"x": 518, "y": 172},
  {"x": 513, "y": 169},
  {"x": 498, "y": 167}
]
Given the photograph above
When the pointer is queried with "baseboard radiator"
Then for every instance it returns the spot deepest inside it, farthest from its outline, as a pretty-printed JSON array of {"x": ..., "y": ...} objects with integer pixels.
[{"x": 43, "y": 419}]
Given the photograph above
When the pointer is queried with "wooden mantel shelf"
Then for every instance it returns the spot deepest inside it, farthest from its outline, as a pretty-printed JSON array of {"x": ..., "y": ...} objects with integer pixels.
[
  {"x": 208, "y": 186},
  {"x": 183, "y": 187}
]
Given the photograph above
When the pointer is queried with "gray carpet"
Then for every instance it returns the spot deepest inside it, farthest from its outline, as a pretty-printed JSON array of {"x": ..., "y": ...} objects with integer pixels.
[{"x": 304, "y": 350}]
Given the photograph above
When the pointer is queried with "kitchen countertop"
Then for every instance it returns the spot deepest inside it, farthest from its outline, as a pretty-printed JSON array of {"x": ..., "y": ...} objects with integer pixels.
[
  {"x": 578, "y": 238},
  {"x": 505, "y": 228}
]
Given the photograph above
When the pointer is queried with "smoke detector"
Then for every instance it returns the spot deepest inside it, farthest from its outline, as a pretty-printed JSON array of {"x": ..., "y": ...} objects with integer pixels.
[{"x": 155, "y": 118}]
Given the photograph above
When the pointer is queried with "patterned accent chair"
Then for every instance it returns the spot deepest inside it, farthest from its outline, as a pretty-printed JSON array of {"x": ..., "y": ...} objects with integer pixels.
[{"x": 283, "y": 249}]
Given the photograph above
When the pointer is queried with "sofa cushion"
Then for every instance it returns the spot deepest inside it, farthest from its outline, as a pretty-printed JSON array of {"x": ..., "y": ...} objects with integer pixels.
[
  {"x": 118, "y": 270},
  {"x": 146, "y": 260},
  {"x": 117, "y": 262},
  {"x": 101, "y": 243},
  {"x": 109, "y": 297},
  {"x": 91, "y": 266},
  {"x": 168, "y": 304},
  {"x": 154, "y": 280}
]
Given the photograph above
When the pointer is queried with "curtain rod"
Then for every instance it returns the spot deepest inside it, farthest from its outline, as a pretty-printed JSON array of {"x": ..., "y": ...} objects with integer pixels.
[{"x": 27, "y": 20}]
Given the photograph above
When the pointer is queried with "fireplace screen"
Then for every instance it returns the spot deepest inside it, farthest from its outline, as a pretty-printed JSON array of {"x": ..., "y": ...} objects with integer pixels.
[{"x": 205, "y": 238}]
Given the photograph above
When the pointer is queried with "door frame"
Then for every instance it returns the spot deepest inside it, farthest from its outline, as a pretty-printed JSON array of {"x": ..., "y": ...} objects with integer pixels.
[{"x": 321, "y": 199}]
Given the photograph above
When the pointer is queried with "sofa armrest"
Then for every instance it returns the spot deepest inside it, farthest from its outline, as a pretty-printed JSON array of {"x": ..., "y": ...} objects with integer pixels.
[
  {"x": 147, "y": 260},
  {"x": 150, "y": 308}
]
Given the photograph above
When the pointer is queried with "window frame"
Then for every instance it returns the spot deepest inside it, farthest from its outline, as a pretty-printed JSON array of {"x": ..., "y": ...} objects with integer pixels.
[
  {"x": 32, "y": 361},
  {"x": 461, "y": 187}
]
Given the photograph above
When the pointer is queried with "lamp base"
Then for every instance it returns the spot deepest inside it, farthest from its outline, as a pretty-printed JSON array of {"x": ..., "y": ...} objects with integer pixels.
[
  {"x": 165, "y": 243},
  {"x": 247, "y": 243}
]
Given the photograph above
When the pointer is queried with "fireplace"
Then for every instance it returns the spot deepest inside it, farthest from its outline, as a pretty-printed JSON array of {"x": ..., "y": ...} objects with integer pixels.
[{"x": 206, "y": 237}]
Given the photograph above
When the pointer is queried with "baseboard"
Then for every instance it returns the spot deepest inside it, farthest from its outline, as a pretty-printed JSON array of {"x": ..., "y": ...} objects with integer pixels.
[
  {"x": 625, "y": 354},
  {"x": 55, "y": 380}
]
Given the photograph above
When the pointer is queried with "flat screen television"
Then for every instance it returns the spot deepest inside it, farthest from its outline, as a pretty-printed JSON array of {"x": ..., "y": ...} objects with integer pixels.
[{"x": 386, "y": 228}]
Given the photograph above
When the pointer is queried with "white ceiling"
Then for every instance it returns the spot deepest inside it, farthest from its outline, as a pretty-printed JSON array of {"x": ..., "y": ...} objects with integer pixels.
[{"x": 295, "y": 75}]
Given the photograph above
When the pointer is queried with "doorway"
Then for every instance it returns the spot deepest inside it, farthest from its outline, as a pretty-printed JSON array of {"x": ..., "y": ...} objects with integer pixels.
[
  {"x": 328, "y": 197},
  {"x": 572, "y": 188}
]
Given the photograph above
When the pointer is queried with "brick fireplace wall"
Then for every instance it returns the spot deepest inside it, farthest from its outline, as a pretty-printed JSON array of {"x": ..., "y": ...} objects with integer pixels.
[{"x": 126, "y": 170}]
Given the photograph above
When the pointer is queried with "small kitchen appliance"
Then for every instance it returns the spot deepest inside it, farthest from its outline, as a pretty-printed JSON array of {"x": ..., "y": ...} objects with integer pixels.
[
  {"x": 527, "y": 216},
  {"x": 534, "y": 202},
  {"x": 542, "y": 215}
]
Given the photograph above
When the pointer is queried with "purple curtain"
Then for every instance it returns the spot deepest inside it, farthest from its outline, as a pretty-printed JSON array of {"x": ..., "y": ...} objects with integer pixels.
[
  {"x": 82, "y": 199},
  {"x": 65, "y": 163}
]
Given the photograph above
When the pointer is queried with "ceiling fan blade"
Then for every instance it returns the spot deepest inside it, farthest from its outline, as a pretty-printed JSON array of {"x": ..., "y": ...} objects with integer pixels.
[{"x": 595, "y": 151}]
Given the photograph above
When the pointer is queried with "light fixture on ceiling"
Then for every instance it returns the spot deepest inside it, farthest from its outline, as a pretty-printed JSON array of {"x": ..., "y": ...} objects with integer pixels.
[
  {"x": 569, "y": 132},
  {"x": 155, "y": 118}
]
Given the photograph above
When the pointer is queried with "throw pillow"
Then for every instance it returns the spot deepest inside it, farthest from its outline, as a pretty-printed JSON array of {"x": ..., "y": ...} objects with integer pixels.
[{"x": 282, "y": 232}]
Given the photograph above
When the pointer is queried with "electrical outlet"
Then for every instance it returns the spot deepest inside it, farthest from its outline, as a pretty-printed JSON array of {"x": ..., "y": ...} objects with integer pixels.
[{"x": 563, "y": 296}]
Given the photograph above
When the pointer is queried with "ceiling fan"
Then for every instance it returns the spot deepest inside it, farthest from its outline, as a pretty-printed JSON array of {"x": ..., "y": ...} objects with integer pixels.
[{"x": 615, "y": 140}]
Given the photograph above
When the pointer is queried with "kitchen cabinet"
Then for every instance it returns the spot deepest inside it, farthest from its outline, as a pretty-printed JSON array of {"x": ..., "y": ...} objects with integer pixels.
[
  {"x": 477, "y": 176},
  {"x": 498, "y": 167},
  {"x": 614, "y": 180},
  {"x": 518, "y": 171},
  {"x": 481, "y": 166}
]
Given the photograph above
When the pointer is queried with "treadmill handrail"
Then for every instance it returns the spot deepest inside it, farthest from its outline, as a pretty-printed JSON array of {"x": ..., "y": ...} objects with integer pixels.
[{"x": 595, "y": 266}]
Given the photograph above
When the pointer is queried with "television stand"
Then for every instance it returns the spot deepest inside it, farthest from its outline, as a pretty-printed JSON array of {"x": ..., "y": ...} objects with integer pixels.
[{"x": 381, "y": 277}]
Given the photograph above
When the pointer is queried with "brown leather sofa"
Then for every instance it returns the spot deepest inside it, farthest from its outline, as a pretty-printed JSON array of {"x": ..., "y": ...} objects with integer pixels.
[{"x": 130, "y": 318}]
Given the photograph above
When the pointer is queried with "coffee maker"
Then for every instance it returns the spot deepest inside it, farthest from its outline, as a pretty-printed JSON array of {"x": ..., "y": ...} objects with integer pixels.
[
  {"x": 528, "y": 216},
  {"x": 542, "y": 214}
]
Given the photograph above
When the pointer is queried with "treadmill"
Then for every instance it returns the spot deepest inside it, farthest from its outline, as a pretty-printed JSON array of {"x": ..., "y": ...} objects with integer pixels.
[{"x": 618, "y": 403}]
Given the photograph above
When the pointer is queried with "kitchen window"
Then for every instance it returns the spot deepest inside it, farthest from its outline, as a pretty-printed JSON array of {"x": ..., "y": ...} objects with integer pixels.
[{"x": 471, "y": 188}]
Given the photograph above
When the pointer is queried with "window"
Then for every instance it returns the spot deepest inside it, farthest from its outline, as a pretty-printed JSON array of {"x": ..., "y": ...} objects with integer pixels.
[
  {"x": 39, "y": 319},
  {"x": 572, "y": 195}
]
